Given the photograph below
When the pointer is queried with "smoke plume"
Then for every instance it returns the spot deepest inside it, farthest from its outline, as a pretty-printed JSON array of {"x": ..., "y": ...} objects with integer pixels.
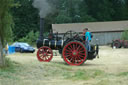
[{"x": 43, "y": 6}]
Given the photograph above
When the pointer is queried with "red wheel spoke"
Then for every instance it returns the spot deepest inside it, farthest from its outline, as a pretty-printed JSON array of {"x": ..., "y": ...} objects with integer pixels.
[
  {"x": 48, "y": 54},
  {"x": 40, "y": 54},
  {"x": 81, "y": 53},
  {"x": 69, "y": 57},
  {"x": 46, "y": 51},
  {"x": 41, "y": 57},
  {"x": 45, "y": 58},
  {"x": 49, "y": 51},
  {"x": 79, "y": 57},
  {"x": 69, "y": 51},
  {"x": 74, "y": 47},
  {"x": 75, "y": 59},
  {"x": 41, "y": 50},
  {"x": 69, "y": 48},
  {"x": 78, "y": 48},
  {"x": 82, "y": 56}
]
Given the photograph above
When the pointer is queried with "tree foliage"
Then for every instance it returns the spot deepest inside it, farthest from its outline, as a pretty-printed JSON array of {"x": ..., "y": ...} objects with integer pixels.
[
  {"x": 6, "y": 21},
  {"x": 26, "y": 17},
  {"x": 125, "y": 35},
  {"x": 31, "y": 37}
]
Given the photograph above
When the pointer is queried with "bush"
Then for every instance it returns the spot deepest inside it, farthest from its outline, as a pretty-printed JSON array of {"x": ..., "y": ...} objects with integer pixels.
[
  {"x": 125, "y": 35},
  {"x": 30, "y": 38}
]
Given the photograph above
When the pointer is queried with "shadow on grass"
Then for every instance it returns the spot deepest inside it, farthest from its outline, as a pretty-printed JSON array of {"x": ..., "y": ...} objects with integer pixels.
[
  {"x": 58, "y": 62},
  {"x": 85, "y": 64},
  {"x": 90, "y": 64}
]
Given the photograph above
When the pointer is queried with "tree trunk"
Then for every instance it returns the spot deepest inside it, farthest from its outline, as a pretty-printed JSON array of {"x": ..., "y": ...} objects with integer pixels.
[{"x": 2, "y": 57}]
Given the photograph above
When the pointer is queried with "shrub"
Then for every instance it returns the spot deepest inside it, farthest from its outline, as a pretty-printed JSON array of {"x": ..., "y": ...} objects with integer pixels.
[
  {"x": 125, "y": 35},
  {"x": 30, "y": 38}
]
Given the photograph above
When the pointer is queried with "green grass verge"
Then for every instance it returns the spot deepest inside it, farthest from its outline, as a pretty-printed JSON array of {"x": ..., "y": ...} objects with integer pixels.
[
  {"x": 84, "y": 74},
  {"x": 9, "y": 69},
  {"x": 45, "y": 71},
  {"x": 123, "y": 74}
]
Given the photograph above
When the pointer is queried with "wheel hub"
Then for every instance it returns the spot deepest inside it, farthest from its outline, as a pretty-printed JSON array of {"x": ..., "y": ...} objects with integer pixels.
[
  {"x": 45, "y": 54},
  {"x": 75, "y": 53}
]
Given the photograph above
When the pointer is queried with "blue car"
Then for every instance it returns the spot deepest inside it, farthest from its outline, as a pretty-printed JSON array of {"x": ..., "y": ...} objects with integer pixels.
[{"x": 23, "y": 47}]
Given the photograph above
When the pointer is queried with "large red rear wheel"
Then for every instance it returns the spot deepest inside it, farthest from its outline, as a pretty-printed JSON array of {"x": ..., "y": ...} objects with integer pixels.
[
  {"x": 74, "y": 53},
  {"x": 44, "y": 54}
]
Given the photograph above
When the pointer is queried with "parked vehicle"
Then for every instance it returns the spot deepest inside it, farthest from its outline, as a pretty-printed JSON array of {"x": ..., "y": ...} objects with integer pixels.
[
  {"x": 23, "y": 47},
  {"x": 120, "y": 43}
]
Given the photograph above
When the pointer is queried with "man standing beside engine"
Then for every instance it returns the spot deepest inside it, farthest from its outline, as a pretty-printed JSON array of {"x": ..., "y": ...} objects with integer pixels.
[{"x": 87, "y": 39}]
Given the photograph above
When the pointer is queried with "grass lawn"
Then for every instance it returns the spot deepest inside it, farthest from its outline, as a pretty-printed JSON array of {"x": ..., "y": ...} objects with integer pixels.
[{"x": 25, "y": 69}]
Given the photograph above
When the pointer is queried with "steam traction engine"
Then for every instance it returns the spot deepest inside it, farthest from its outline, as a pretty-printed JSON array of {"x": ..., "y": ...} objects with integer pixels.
[{"x": 71, "y": 47}]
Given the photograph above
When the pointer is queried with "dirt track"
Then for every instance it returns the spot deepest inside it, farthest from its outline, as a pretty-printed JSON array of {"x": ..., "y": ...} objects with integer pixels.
[{"x": 111, "y": 61}]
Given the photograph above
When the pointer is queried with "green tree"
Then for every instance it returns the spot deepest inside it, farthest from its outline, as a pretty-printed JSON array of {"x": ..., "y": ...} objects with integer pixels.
[
  {"x": 26, "y": 18},
  {"x": 5, "y": 26},
  {"x": 125, "y": 35},
  {"x": 101, "y": 10},
  {"x": 84, "y": 12},
  {"x": 119, "y": 9},
  {"x": 30, "y": 38},
  {"x": 126, "y": 9}
]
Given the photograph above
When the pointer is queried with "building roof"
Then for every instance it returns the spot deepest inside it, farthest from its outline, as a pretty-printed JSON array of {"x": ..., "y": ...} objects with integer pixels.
[{"x": 92, "y": 26}]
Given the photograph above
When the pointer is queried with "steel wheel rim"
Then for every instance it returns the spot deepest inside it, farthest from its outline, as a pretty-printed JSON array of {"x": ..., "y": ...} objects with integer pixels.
[
  {"x": 74, "y": 53},
  {"x": 44, "y": 54}
]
